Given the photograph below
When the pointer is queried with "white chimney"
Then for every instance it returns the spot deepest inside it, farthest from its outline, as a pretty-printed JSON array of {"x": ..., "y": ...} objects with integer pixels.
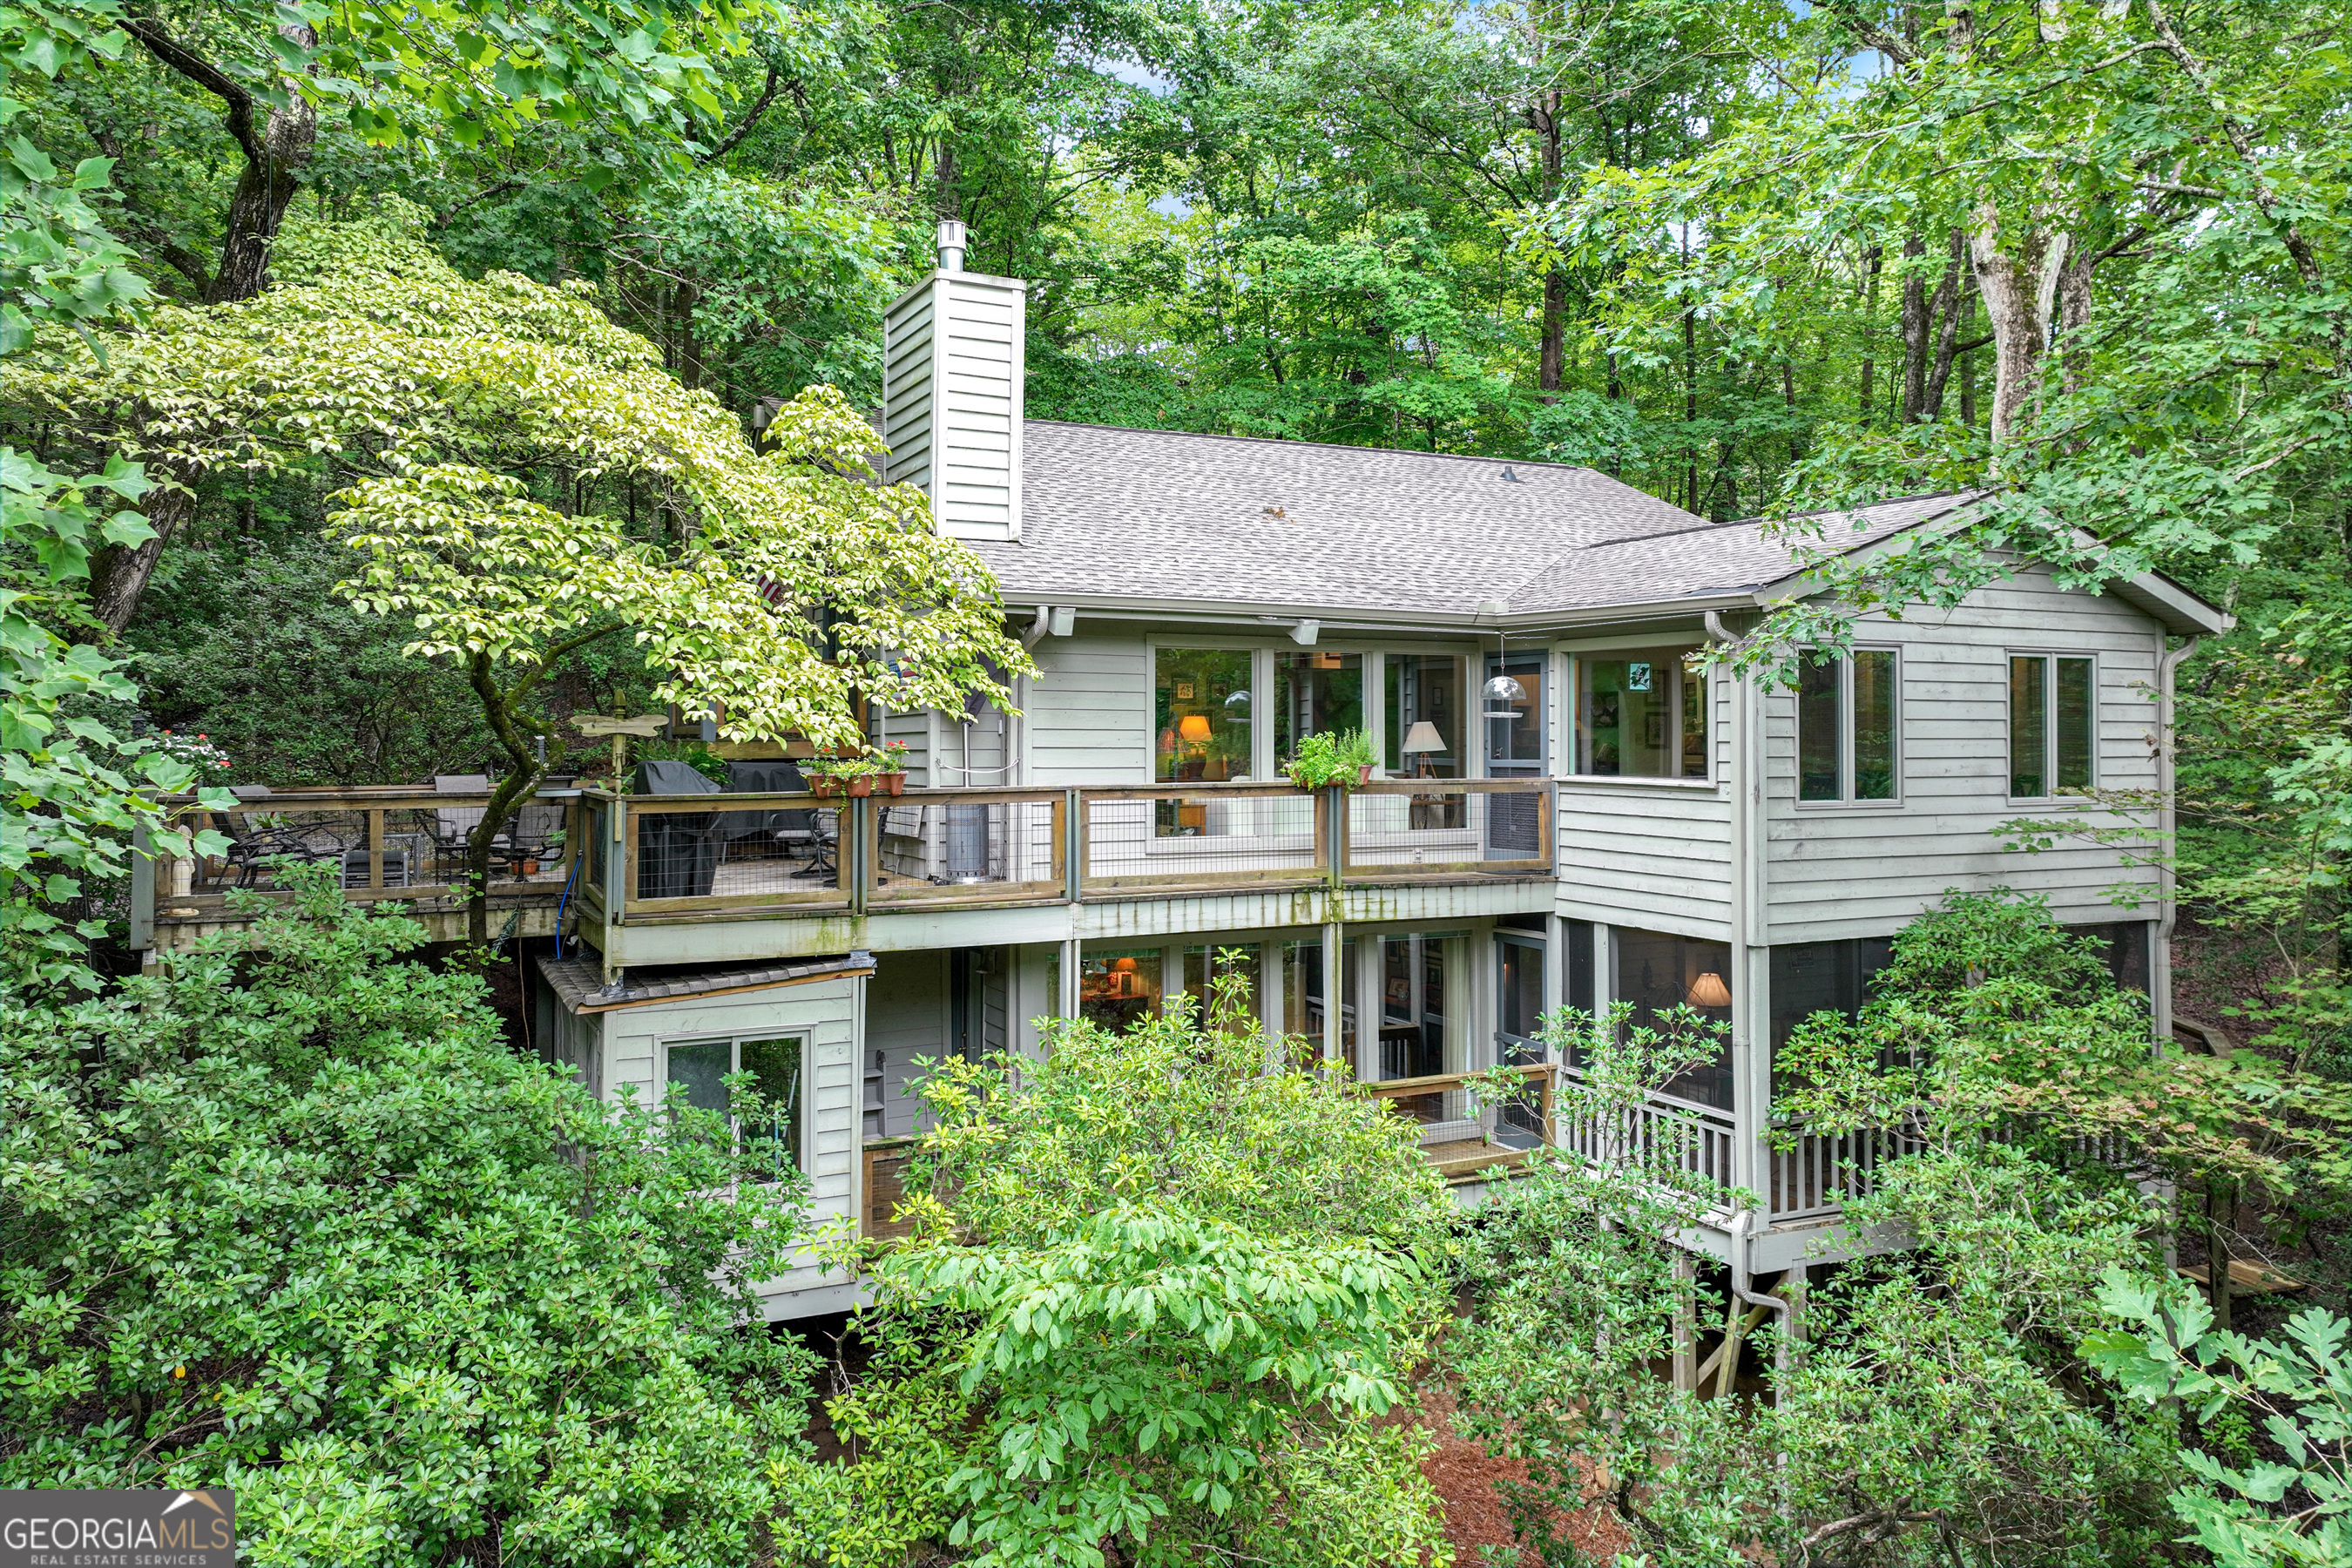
[{"x": 951, "y": 369}]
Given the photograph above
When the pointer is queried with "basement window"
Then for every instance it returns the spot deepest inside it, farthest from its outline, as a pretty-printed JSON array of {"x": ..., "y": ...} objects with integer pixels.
[{"x": 697, "y": 1072}]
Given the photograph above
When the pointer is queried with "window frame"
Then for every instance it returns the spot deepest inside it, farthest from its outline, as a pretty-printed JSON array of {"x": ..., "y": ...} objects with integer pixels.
[
  {"x": 2054, "y": 795},
  {"x": 1570, "y": 747},
  {"x": 1266, "y": 765},
  {"x": 735, "y": 1041},
  {"x": 1847, "y": 800}
]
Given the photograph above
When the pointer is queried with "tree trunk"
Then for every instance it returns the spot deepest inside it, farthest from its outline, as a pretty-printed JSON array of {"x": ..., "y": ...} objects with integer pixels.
[
  {"x": 1915, "y": 322},
  {"x": 263, "y": 191},
  {"x": 1551, "y": 358},
  {"x": 119, "y": 573},
  {"x": 1870, "y": 258},
  {"x": 2018, "y": 288},
  {"x": 1946, "y": 307},
  {"x": 524, "y": 771}
]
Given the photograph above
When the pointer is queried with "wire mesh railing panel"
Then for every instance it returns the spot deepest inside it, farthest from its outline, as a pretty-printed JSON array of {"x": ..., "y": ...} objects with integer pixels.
[
  {"x": 1448, "y": 828},
  {"x": 717, "y": 852},
  {"x": 1188, "y": 837},
  {"x": 995, "y": 846},
  {"x": 375, "y": 843}
]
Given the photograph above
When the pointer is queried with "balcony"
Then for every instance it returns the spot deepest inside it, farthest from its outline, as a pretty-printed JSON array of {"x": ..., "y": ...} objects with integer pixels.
[
  {"x": 628, "y": 860},
  {"x": 741, "y": 855}
]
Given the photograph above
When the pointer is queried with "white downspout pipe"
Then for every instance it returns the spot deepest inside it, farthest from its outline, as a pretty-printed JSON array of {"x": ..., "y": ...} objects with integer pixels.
[
  {"x": 1744, "y": 798},
  {"x": 2167, "y": 845}
]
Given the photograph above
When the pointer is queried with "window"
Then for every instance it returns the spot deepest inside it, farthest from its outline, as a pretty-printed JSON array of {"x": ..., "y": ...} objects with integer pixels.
[
  {"x": 2127, "y": 951},
  {"x": 1845, "y": 728},
  {"x": 1205, "y": 965},
  {"x": 698, "y": 1071},
  {"x": 1641, "y": 715},
  {"x": 1657, "y": 973},
  {"x": 1118, "y": 987},
  {"x": 1202, "y": 701},
  {"x": 1424, "y": 715},
  {"x": 1315, "y": 694},
  {"x": 1519, "y": 1011},
  {"x": 2050, "y": 724}
]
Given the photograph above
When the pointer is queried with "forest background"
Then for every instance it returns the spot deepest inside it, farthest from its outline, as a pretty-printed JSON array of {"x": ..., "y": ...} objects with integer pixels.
[{"x": 1754, "y": 258}]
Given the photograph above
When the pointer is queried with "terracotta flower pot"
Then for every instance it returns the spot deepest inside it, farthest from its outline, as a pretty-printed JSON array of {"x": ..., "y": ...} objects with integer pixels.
[
  {"x": 893, "y": 784},
  {"x": 860, "y": 786},
  {"x": 1364, "y": 774},
  {"x": 824, "y": 785}
]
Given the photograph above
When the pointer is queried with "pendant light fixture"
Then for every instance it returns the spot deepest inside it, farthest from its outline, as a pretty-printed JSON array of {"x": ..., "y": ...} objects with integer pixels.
[{"x": 1502, "y": 690}]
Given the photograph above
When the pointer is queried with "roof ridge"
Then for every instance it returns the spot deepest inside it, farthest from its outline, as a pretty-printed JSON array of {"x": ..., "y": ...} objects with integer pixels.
[{"x": 1334, "y": 447}]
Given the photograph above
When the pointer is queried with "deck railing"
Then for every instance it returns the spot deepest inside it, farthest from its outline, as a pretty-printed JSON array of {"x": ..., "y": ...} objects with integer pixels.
[
  {"x": 1658, "y": 1134},
  {"x": 1459, "y": 1135},
  {"x": 379, "y": 843},
  {"x": 1399, "y": 829},
  {"x": 1179, "y": 837}
]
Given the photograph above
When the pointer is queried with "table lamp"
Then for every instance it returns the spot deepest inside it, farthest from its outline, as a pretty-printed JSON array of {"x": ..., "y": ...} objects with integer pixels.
[{"x": 1421, "y": 740}]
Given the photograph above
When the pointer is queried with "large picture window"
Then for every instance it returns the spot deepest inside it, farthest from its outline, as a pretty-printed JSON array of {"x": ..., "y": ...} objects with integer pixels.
[
  {"x": 1846, "y": 728},
  {"x": 698, "y": 1071},
  {"x": 1202, "y": 702},
  {"x": 1315, "y": 694},
  {"x": 2051, "y": 725},
  {"x": 1641, "y": 715},
  {"x": 1423, "y": 710}
]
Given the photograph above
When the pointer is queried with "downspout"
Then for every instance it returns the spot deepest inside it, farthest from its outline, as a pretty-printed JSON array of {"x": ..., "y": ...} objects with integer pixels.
[
  {"x": 1016, "y": 743},
  {"x": 1745, "y": 788},
  {"x": 2167, "y": 848}
]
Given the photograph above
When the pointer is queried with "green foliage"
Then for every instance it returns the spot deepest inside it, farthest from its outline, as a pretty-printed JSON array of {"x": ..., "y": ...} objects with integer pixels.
[
  {"x": 73, "y": 791},
  {"x": 1180, "y": 1113},
  {"x": 288, "y": 1216},
  {"x": 1155, "y": 1297},
  {"x": 1145, "y": 1371},
  {"x": 2294, "y": 1508},
  {"x": 1992, "y": 1021},
  {"x": 1329, "y": 757}
]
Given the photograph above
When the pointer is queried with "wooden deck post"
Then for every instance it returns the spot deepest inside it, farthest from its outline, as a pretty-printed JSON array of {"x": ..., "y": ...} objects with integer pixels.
[{"x": 1334, "y": 991}]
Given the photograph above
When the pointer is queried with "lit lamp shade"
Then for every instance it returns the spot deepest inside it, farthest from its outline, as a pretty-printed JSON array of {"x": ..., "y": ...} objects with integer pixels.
[
  {"x": 1422, "y": 738},
  {"x": 1709, "y": 991},
  {"x": 1193, "y": 727},
  {"x": 1124, "y": 965}
]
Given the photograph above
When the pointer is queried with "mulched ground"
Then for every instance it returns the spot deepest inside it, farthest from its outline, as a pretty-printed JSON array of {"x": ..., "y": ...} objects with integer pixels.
[{"x": 1465, "y": 1474}]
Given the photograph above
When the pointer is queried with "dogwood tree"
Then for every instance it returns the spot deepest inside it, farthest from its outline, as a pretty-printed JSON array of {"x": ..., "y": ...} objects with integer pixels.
[{"x": 519, "y": 478}]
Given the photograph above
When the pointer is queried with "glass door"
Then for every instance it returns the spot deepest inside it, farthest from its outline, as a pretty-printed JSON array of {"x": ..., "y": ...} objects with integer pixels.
[{"x": 1515, "y": 749}]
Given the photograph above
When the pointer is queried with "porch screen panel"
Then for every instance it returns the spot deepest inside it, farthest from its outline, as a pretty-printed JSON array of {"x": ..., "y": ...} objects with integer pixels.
[
  {"x": 700, "y": 1070},
  {"x": 2073, "y": 727},
  {"x": 1423, "y": 689},
  {"x": 1634, "y": 719},
  {"x": 2029, "y": 726},
  {"x": 1657, "y": 973},
  {"x": 775, "y": 1068}
]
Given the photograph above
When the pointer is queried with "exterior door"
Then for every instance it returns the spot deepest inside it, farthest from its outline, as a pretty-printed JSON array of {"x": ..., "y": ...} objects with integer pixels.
[{"x": 1515, "y": 741}]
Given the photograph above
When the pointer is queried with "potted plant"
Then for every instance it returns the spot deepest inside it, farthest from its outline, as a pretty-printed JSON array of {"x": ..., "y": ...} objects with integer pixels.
[
  {"x": 892, "y": 762},
  {"x": 822, "y": 781},
  {"x": 1342, "y": 758}
]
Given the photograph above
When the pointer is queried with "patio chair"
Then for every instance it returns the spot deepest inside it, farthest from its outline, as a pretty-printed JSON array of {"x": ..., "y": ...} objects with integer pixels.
[
  {"x": 450, "y": 826},
  {"x": 255, "y": 842}
]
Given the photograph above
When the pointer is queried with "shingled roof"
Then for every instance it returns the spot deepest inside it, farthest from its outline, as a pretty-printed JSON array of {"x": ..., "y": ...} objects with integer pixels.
[{"x": 1113, "y": 513}]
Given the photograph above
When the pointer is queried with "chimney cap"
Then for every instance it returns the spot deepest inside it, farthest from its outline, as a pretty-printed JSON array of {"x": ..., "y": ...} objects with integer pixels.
[{"x": 950, "y": 244}]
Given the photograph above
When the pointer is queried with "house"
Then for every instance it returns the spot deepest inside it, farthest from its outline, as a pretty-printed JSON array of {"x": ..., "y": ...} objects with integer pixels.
[{"x": 1565, "y": 810}]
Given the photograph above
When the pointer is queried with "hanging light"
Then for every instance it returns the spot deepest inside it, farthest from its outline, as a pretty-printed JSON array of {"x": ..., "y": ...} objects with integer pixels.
[
  {"x": 1709, "y": 991},
  {"x": 1502, "y": 691}
]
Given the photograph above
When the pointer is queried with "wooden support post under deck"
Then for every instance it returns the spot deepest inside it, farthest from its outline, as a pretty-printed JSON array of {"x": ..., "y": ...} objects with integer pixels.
[
  {"x": 1068, "y": 999},
  {"x": 1686, "y": 1323},
  {"x": 1333, "y": 990}
]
